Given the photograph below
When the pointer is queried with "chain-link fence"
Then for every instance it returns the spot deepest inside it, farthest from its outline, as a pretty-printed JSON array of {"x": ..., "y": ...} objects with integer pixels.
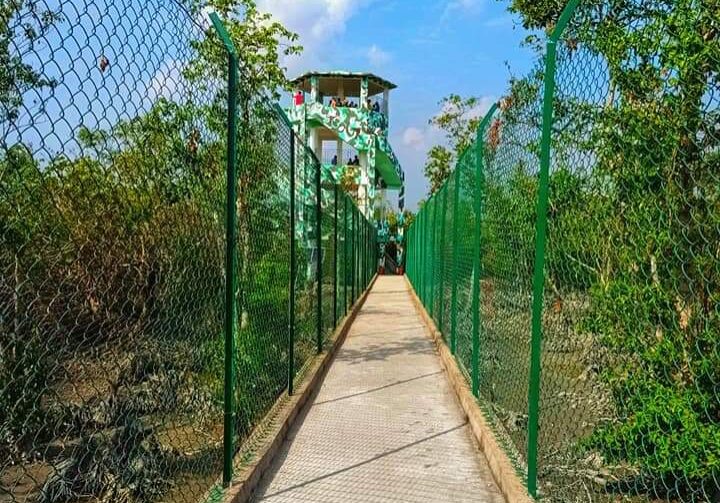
[
  {"x": 583, "y": 258},
  {"x": 122, "y": 370}
]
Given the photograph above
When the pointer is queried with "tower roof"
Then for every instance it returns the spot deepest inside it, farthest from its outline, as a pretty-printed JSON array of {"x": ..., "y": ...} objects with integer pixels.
[{"x": 351, "y": 82}]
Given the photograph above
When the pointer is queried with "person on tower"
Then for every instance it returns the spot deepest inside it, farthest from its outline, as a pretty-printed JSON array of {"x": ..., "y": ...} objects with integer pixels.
[{"x": 299, "y": 98}]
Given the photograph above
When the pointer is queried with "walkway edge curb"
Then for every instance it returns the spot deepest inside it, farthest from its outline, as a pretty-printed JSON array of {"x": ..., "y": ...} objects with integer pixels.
[
  {"x": 502, "y": 469},
  {"x": 284, "y": 413}
]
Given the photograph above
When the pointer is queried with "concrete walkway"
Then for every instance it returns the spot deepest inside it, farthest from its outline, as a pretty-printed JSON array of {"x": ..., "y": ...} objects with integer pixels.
[{"x": 385, "y": 425}]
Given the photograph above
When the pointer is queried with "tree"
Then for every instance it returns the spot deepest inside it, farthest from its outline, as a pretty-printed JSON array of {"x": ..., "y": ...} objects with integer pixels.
[
  {"x": 438, "y": 167},
  {"x": 260, "y": 41},
  {"x": 459, "y": 120},
  {"x": 22, "y": 25}
]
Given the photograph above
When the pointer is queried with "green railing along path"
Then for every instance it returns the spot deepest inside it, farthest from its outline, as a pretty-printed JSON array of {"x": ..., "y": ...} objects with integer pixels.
[
  {"x": 584, "y": 258},
  {"x": 167, "y": 262}
]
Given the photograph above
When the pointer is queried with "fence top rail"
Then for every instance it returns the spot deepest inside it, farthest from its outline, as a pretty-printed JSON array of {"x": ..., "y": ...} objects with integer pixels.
[{"x": 223, "y": 34}]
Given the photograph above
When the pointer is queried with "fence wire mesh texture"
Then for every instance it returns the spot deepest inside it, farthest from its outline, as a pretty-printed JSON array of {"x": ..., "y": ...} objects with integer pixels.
[
  {"x": 114, "y": 125},
  {"x": 577, "y": 247}
]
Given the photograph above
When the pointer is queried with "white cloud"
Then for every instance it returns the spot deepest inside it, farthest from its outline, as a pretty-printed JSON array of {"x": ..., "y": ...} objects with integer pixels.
[
  {"x": 167, "y": 82},
  {"x": 454, "y": 8},
  {"x": 466, "y": 6},
  {"x": 413, "y": 137},
  {"x": 412, "y": 144},
  {"x": 482, "y": 107},
  {"x": 377, "y": 57},
  {"x": 498, "y": 22},
  {"x": 416, "y": 141},
  {"x": 420, "y": 139},
  {"x": 316, "y": 21}
]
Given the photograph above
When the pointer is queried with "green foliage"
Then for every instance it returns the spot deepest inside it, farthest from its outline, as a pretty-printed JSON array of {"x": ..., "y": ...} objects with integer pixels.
[
  {"x": 438, "y": 167},
  {"x": 459, "y": 119},
  {"x": 259, "y": 39},
  {"x": 23, "y": 23}
]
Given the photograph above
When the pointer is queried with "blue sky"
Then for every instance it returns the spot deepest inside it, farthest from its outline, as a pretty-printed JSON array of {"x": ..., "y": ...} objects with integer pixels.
[{"x": 429, "y": 48}]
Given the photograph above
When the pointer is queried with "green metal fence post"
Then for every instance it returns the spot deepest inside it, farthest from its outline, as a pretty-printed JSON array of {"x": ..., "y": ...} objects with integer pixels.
[
  {"x": 335, "y": 255},
  {"x": 415, "y": 253},
  {"x": 366, "y": 250},
  {"x": 433, "y": 256},
  {"x": 424, "y": 244},
  {"x": 375, "y": 248},
  {"x": 477, "y": 242},
  {"x": 364, "y": 254},
  {"x": 421, "y": 252},
  {"x": 455, "y": 262},
  {"x": 443, "y": 219},
  {"x": 426, "y": 249},
  {"x": 540, "y": 245},
  {"x": 410, "y": 254},
  {"x": 293, "y": 272},
  {"x": 418, "y": 253},
  {"x": 369, "y": 252},
  {"x": 363, "y": 258},
  {"x": 358, "y": 251},
  {"x": 374, "y": 257},
  {"x": 345, "y": 252},
  {"x": 231, "y": 252},
  {"x": 353, "y": 234},
  {"x": 361, "y": 255},
  {"x": 318, "y": 269}
]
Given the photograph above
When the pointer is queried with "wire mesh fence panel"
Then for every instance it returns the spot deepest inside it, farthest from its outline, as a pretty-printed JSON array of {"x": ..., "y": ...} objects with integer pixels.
[
  {"x": 631, "y": 361},
  {"x": 328, "y": 258},
  {"x": 438, "y": 255},
  {"x": 463, "y": 268},
  {"x": 430, "y": 256},
  {"x": 112, "y": 153},
  {"x": 347, "y": 252},
  {"x": 306, "y": 279},
  {"x": 627, "y": 267},
  {"x": 448, "y": 258},
  {"x": 360, "y": 253},
  {"x": 509, "y": 185},
  {"x": 433, "y": 255},
  {"x": 363, "y": 258},
  {"x": 113, "y": 124},
  {"x": 261, "y": 359}
]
